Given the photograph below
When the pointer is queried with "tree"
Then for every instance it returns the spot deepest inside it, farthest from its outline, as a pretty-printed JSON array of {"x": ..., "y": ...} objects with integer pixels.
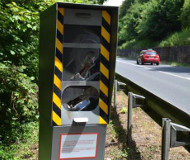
[
  {"x": 128, "y": 24},
  {"x": 185, "y": 14},
  {"x": 125, "y": 7},
  {"x": 159, "y": 19}
]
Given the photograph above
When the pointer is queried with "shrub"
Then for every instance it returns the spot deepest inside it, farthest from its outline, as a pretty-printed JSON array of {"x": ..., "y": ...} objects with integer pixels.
[
  {"x": 18, "y": 101},
  {"x": 177, "y": 39}
]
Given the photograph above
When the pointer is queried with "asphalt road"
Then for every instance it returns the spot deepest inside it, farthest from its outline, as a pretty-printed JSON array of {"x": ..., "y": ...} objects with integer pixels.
[{"x": 172, "y": 84}]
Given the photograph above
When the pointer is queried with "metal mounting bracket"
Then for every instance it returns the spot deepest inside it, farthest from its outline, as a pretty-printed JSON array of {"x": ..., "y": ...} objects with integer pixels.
[
  {"x": 176, "y": 140},
  {"x": 173, "y": 136}
]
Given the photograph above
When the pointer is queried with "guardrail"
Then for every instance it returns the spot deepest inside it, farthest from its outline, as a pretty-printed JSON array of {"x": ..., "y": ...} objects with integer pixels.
[{"x": 156, "y": 107}]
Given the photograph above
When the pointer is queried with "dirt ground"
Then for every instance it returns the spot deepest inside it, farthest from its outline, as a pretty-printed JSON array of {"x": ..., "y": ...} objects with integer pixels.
[
  {"x": 146, "y": 137},
  {"x": 146, "y": 142}
]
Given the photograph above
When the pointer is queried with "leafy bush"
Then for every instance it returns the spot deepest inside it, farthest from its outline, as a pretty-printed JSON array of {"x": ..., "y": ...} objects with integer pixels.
[
  {"x": 18, "y": 101},
  {"x": 25, "y": 147},
  {"x": 135, "y": 44},
  {"x": 177, "y": 39}
]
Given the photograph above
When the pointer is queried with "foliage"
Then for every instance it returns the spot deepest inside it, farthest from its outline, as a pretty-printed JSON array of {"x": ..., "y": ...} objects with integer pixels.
[
  {"x": 19, "y": 29},
  {"x": 150, "y": 21},
  {"x": 123, "y": 110},
  {"x": 25, "y": 147},
  {"x": 178, "y": 38},
  {"x": 135, "y": 44},
  {"x": 124, "y": 8},
  {"x": 129, "y": 22},
  {"x": 18, "y": 101},
  {"x": 86, "y": 1},
  {"x": 159, "y": 19},
  {"x": 19, "y": 34},
  {"x": 185, "y": 14}
]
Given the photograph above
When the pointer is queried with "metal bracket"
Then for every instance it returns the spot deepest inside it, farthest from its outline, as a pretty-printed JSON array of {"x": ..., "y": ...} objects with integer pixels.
[
  {"x": 120, "y": 85},
  {"x": 135, "y": 100},
  {"x": 171, "y": 136},
  {"x": 176, "y": 140}
]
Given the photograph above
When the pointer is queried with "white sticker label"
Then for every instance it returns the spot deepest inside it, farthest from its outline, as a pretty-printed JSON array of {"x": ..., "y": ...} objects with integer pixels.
[{"x": 78, "y": 146}]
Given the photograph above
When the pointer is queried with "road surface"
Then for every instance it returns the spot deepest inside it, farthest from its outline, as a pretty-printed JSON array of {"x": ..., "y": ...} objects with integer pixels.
[{"x": 170, "y": 83}]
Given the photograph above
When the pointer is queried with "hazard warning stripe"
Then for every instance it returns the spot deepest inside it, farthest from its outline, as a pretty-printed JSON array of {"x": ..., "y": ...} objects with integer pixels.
[
  {"x": 58, "y": 70},
  {"x": 104, "y": 52},
  {"x": 104, "y": 67},
  {"x": 105, "y": 34},
  {"x": 57, "y": 82},
  {"x": 104, "y": 70},
  {"x": 59, "y": 45},
  {"x": 103, "y": 105},
  {"x": 56, "y": 118},
  {"x": 58, "y": 64},
  {"x": 106, "y": 16}
]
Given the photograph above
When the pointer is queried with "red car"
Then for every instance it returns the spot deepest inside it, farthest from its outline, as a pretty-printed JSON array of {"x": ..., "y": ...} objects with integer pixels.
[{"x": 148, "y": 56}]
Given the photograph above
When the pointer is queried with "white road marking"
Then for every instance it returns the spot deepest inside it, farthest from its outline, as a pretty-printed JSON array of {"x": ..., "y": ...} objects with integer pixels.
[
  {"x": 171, "y": 74},
  {"x": 134, "y": 64},
  {"x": 148, "y": 68}
]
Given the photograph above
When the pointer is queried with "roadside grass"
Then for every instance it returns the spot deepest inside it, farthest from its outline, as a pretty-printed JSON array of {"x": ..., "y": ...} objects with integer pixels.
[
  {"x": 177, "y": 39},
  {"x": 145, "y": 145},
  {"x": 25, "y": 148},
  {"x": 146, "y": 142}
]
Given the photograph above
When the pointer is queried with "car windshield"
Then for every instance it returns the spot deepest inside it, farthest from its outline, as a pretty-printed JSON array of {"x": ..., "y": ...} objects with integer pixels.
[{"x": 150, "y": 52}]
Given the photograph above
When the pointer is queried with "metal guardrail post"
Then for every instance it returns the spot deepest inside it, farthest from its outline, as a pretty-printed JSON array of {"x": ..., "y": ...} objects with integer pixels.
[
  {"x": 166, "y": 129},
  {"x": 115, "y": 93},
  {"x": 171, "y": 137},
  {"x": 129, "y": 122},
  {"x": 132, "y": 104},
  {"x": 117, "y": 87}
]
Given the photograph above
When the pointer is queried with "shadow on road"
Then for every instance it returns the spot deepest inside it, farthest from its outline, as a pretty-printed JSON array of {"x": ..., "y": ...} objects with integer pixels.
[{"x": 171, "y": 69}]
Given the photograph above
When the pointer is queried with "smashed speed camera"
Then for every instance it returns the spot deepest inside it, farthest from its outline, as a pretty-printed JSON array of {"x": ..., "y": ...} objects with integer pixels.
[{"x": 81, "y": 64}]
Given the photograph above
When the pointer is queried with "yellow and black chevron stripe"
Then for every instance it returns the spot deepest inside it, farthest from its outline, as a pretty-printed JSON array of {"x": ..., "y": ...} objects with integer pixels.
[
  {"x": 58, "y": 70},
  {"x": 104, "y": 67}
]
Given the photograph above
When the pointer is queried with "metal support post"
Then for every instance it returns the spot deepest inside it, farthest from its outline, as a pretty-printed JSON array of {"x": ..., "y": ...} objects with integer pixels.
[
  {"x": 129, "y": 122},
  {"x": 132, "y": 103},
  {"x": 117, "y": 87},
  {"x": 166, "y": 129},
  {"x": 115, "y": 93}
]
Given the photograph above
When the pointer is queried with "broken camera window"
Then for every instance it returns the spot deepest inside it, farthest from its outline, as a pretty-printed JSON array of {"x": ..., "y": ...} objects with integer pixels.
[{"x": 80, "y": 98}]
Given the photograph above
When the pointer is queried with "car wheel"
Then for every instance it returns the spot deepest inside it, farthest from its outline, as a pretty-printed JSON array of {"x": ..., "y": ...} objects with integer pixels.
[
  {"x": 157, "y": 64},
  {"x": 151, "y": 63},
  {"x": 137, "y": 61},
  {"x": 142, "y": 63}
]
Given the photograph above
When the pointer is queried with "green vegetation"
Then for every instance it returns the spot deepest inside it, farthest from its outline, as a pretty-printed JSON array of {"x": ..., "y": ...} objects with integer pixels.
[
  {"x": 124, "y": 110},
  {"x": 19, "y": 29},
  {"x": 153, "y": 23},
  {"x": 22, "y": 148},
  {"x": 19, "y": 40},
  {"x": 177, "y": 39}
]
